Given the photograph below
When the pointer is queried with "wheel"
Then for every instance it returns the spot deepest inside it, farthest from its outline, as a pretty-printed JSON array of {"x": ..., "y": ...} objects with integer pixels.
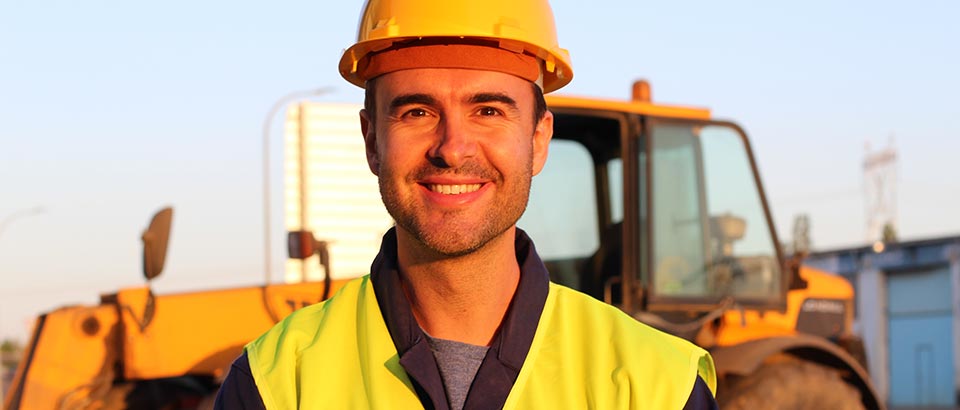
[{"x": 787, "y": 383}]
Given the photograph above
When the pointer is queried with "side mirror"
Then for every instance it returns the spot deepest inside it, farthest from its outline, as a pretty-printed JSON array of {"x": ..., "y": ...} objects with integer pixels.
[
  {"x": 155, "y": 240},
  {"x": 301, "y": 244}
]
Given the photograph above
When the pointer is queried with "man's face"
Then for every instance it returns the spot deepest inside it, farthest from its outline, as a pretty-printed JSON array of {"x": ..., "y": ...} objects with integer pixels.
[{"x": 455, "y": 150}]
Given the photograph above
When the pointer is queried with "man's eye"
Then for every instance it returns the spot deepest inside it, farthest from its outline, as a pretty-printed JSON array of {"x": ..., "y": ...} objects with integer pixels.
[
  {"x": 488, "y": 111},
  {"x": 416, "y": 112}
]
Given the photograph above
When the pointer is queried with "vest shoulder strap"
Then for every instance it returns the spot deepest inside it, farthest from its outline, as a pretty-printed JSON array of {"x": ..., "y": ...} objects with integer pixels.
[
  {"x": 340, "y": 348},
  {"x": 587, "y": 354}
]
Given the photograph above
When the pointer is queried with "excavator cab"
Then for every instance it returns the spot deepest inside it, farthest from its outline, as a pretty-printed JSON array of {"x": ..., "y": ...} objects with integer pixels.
[{"x": 674, "y": 217}]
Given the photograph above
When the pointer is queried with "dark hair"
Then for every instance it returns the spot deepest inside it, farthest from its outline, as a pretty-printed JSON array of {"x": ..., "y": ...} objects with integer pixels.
[
  {"x": 370, "y": 99},
  {"x": 370, "y": 103},
  {"x": 539, "y": 105}
]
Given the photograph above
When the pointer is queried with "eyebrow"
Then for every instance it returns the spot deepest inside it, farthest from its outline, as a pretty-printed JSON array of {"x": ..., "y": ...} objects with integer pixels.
[
  {"x": 411, "y": 99},
  {"x": 492, "y": 97},
  {"x": 425, "y": 99}
]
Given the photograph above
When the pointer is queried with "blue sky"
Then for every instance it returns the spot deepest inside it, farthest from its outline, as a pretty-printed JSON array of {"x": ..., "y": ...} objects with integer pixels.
[{"x": 110, "y": 110}]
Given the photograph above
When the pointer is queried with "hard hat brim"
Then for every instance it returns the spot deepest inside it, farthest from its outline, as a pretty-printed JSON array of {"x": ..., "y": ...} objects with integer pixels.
[{"x": 554, "y": 66}]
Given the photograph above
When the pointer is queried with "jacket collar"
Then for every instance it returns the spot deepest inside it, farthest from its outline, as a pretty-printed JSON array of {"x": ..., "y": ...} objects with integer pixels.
[{"x": 509, "y": 347}]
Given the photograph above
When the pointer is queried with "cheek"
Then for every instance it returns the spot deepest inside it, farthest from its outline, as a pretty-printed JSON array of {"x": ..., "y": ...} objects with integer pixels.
[
  {"x": 398, "y": 156},
  {"x": 511, "y": 157}
]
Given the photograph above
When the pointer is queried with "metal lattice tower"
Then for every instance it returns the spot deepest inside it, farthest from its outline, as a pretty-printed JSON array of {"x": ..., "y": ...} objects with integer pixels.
[
  {"x": 880, "y": 191},
  {"x": 801, "y": 234}
]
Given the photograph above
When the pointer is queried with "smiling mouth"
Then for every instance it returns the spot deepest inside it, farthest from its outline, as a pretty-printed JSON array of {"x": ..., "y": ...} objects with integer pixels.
[{"x": 453, "y": 189}]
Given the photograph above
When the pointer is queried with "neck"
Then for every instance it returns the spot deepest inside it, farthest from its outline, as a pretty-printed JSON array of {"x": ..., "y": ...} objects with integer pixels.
[{"x": 462, "y": 298}]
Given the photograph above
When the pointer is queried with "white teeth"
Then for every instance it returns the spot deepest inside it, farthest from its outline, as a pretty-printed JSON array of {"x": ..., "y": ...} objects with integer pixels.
[{"x": 453, "y": 189}]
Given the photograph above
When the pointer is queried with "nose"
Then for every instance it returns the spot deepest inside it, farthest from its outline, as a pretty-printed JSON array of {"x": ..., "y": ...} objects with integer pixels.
[{"x": 454, "y": 145}]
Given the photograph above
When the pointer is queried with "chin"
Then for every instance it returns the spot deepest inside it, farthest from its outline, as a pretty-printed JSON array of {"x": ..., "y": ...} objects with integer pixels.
[{"x": 453, "y": 243}]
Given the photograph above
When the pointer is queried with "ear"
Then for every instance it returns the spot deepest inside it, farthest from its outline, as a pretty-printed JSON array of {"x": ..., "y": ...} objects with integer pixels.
[
  {"x": 369, "y": 130},
  {"x": 541, "y": 141}
]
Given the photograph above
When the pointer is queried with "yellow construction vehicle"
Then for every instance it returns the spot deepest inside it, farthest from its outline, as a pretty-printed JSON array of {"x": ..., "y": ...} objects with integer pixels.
[
  {"x": 662, "y": 213},
  {"x": 656, "y": 209},
  {"x": 138, "y": 350}
]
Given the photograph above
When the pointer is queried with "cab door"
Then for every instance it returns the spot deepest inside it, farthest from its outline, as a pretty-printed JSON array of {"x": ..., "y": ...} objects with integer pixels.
[{"x": 703, "y": 219}]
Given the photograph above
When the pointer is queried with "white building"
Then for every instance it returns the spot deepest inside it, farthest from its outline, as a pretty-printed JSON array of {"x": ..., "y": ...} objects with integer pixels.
[{"x": 330, "y": 190}]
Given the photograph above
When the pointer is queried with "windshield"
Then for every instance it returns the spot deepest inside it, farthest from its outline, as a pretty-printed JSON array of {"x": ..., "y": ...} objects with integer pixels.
[
  {"x": 702, "y": 226},
  {"x": 709, "y": 227}
]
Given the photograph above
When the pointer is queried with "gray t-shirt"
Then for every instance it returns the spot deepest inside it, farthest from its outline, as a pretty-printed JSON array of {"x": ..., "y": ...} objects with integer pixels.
[{"x": 458, "y": 363}]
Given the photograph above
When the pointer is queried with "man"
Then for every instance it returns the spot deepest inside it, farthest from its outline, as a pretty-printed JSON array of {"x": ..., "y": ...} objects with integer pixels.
[{"x": 458, "y": 311}]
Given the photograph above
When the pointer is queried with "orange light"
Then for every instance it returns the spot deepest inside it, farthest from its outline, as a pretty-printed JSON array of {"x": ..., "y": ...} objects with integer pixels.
[{"x": 878, "y": 247}]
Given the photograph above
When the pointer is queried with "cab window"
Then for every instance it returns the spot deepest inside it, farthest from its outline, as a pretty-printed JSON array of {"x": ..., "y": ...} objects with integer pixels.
[{"x": 711, "y": 236}]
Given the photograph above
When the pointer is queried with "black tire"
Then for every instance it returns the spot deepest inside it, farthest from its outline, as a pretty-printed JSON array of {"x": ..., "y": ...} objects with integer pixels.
[{"x": 787, "y": 383}]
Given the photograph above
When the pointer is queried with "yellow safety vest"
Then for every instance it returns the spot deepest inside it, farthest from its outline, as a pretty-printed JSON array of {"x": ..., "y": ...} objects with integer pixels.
[{"x": 585, "y": 354}]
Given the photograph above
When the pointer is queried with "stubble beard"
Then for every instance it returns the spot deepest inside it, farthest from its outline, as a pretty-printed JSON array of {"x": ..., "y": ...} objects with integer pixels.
[{"x": 457, "y": 236}]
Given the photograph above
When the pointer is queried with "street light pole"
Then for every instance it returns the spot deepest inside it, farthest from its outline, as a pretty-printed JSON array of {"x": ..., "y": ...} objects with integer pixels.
[
  {"x": 283, "y": 101},
  {"x": 19, "y": 214}
]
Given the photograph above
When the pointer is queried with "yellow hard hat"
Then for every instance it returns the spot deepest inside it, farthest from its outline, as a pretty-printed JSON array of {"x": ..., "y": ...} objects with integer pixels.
[{"x": 524, "y": 27}]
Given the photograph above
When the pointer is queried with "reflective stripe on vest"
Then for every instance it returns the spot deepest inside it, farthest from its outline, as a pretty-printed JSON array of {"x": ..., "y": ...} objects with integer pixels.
[{"x": 586, "y": 354}]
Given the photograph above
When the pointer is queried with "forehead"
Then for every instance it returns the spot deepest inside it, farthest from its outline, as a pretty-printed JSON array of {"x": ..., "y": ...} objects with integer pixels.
[{"x": 451, "y": 83}]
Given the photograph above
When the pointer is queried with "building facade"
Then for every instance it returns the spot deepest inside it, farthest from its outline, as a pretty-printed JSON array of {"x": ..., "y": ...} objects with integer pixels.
[
  {"x": 329, "y": 190},
  {"x": 908, "y": 313}
]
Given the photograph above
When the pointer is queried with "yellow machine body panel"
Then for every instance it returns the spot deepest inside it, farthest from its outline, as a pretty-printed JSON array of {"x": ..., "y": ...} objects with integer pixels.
[
  {"x": 72, "y": 358},
  {"x": 196, "y": 333},
  {"x": 633, "y": 107},
  {"x": 741, "y": 326},
  {"x": 76, "y": 349}
]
